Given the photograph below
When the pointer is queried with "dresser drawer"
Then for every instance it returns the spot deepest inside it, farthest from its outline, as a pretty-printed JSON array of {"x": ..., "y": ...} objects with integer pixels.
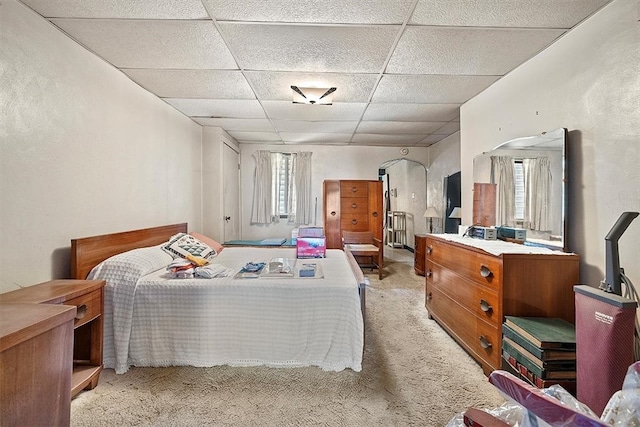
[
  {"x": 354, "y": 188},
  {"x": 478, "y": 267},
  {"x": 88, "y": 306},
  {"x": 354, "y": 205},
  {"x": 480, "y": 300},
  {"x": 355, "y": 222},
  {"x": 480, "y": 338}
]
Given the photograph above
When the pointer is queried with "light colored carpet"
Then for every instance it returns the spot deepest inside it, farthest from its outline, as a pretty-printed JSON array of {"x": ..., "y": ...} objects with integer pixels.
[{"x": 413, "y": 374}]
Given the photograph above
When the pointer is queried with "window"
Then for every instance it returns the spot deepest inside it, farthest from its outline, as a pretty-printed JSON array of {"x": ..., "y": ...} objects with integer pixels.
[
  {"x": 282, "y": 184},
  {"x": 518, "y": 175}
]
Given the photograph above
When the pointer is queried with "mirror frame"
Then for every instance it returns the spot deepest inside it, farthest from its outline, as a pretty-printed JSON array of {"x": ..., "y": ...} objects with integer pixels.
[{"x": 525, "y": 143}]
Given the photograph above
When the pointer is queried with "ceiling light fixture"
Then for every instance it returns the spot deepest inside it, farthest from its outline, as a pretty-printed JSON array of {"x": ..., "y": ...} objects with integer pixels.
[{"x": 312, "y": 95}]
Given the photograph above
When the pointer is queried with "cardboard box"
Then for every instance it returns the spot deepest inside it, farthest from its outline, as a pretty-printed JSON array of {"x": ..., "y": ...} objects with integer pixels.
[
  {"x": 311, "y": 247},
  {"x": 311, "y": 232}
]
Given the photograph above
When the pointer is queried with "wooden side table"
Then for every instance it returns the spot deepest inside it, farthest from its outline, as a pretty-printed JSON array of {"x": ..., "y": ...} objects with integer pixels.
[
  {"x": 419, "y": 253},
  {"x": 88, "y": 298},
  {"x": 36, "y": 351}
]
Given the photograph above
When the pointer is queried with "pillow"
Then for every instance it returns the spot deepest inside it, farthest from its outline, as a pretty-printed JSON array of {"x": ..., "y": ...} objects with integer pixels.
[
  {"x": 209, "y": 241},
  {"x": 182, "y": 244},
  {"x": 132, "y": 264}
]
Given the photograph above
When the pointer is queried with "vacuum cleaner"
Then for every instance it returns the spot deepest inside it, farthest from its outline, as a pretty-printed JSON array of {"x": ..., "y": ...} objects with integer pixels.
[{"x": 605, "y": 327}]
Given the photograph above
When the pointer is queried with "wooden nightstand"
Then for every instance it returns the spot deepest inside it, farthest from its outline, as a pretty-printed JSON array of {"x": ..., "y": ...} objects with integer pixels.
[
  {"x": 419, "y": 253},
  {"x": 88, "y": 298}
]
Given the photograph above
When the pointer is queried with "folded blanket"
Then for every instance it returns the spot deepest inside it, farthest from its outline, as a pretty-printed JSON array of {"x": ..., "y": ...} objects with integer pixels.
[{"x": 212, "y": 271}]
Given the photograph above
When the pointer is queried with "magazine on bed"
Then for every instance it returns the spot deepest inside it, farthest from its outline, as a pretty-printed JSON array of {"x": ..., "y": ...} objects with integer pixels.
[{"x": 250, "y": 270}]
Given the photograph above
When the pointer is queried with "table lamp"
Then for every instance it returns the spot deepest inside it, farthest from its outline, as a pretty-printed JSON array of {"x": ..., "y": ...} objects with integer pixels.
[
  {"x": 456, "y": 214},
  {"x": 431, "y": 213}
]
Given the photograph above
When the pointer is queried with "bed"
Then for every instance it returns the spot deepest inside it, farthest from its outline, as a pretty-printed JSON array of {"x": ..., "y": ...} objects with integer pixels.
[{"x": 153, "y": 320}]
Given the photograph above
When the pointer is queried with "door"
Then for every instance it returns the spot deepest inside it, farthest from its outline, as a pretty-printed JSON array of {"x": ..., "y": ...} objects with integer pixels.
[
  {"x": 231, "y": 193},
  {"x": 453, "y": 196}
]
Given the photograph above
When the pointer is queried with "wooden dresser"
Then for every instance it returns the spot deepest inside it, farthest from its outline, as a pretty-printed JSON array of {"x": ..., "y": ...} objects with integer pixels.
[
  {"x": 469, "y": 291},
  {"x": 353, "y": 205},
  {"x": 88, "y": 298},
  {"x": 420, "y": 244}
]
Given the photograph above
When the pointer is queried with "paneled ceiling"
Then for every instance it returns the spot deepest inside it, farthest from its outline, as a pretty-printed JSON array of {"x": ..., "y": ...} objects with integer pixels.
[{"x": 402, "y": 68}]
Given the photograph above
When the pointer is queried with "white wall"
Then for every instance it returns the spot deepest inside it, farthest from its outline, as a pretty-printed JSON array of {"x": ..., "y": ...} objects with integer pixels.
[
  {"x": 213, "y": 141},
  {"x": 444, "y": 160},
  {"x": 83, "y": 151},
  {"x": 328, "y": 162},
  {"x": 589, "y": 83}
]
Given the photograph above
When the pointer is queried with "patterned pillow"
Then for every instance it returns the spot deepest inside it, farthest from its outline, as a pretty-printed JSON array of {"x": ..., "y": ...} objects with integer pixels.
[{"x": 183, "y": 244}]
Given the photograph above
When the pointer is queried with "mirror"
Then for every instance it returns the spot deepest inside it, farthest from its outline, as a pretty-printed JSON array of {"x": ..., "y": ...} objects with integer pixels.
[
  {"x": 405, "y": 193},
  {"x": 530, "y": 179}
]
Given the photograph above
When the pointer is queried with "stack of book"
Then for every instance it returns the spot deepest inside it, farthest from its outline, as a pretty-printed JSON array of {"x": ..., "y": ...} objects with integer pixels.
[{"x": 541, "y": 350}]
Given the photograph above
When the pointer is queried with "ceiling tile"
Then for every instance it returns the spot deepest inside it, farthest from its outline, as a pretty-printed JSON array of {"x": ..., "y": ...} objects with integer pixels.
[
  {"x": 316, "y": 48},
  {"x": 254, "y": 136},
  {"x": 470, "y": 51},
  {"x": 218, "y": 107},
  {"x": 138, "y": 9},
  {"x": 284, "y": 110},
  {"x": 322, "y": 127},
  {"x": 277, "y": 85},
  {"x": 432, "y": 139},
  {"x": 256, "y": 125},
  {"x": 399, "y": 127},
  {"x": 217, "y": 84},
  {"x": 430, "y": 89},
  {"x": 376, "y": 138},
  {"x": 412, "y": 112},
  {"x": 448, "y": 128},
  {"x": 504, "y": 13},
  {"x": 326, "y": 11},
  {"x": 315, "y": 137},
  {"x": 152, "y": 44}
]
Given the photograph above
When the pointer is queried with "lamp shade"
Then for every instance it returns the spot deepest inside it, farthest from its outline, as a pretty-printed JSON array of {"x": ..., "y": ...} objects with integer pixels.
[
  {"x": 456, "y": 213},
  {"x": 431, "y": 212}
]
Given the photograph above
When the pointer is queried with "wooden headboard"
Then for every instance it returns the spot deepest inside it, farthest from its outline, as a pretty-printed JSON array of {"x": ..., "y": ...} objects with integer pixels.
[{"x": 88, "y": 252}]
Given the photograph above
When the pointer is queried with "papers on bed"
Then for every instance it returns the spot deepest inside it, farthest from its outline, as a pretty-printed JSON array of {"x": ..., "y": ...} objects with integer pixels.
[{"x": 281, "y": 268}]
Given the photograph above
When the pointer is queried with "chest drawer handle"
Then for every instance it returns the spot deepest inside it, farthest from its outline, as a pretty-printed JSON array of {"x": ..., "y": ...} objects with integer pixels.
[
  {"x": 429, "y": 250},
  {"x": 429, "y": 296},
  {"x": 375, "y": 214},
  {"x": 354, "y": 221},
  {"x": 354, "y": 205},
  {"x": 484, "y": 342},
  {"x": 354, "y": 189},
  {"x": 81, "y": 311},
  {"x": 485, "y": 306},
  {"x": 485, "y": 271},
  {"x": 333, "y": 213},
  {"x": 429, "y": 273}
]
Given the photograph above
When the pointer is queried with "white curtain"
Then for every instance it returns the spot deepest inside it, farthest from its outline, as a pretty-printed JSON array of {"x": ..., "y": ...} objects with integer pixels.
[
  {"x": 502, "y": 174},
  {"x": 537, "y": 184},
  {"x": 300, "y": 210},
  {"x": 262, "y": 212},
  {"x": 270, "y": 176}
]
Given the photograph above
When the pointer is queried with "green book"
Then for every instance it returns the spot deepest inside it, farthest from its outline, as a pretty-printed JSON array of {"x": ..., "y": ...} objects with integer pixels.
[
  {"x": 544, "y": 332},
  {"x": 549, "y": 365},
  {"x": 531, "y": 367},
  {"x": 544, "y": 354}
]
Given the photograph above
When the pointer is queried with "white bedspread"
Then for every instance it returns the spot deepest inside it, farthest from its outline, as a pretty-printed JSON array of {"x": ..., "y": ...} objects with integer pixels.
[{"x": 240, "y": 322}]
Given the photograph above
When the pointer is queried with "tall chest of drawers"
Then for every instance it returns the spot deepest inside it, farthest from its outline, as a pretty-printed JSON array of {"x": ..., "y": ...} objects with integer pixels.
[
  {"x": 351, "y": 205},
  {"x": 469, "y": 291}
]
